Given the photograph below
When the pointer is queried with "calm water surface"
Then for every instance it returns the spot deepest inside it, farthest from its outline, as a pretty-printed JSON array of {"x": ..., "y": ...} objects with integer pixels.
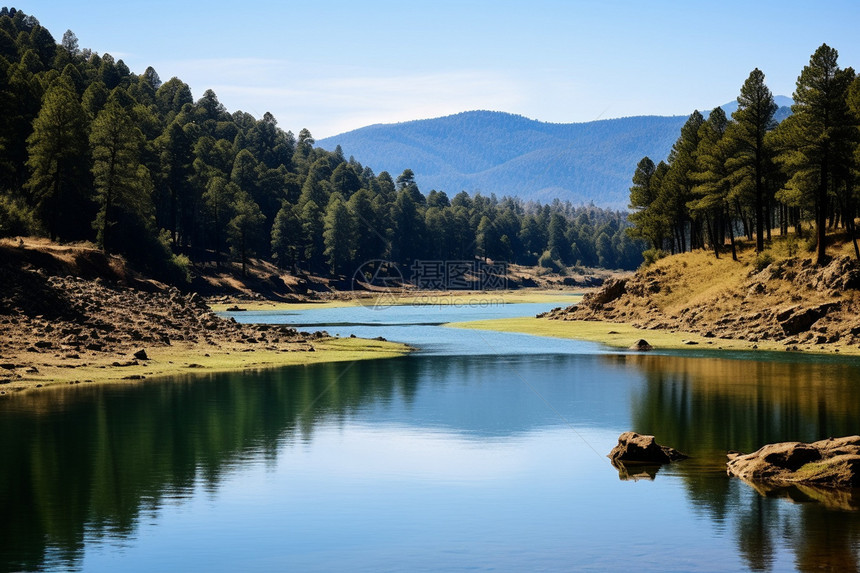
[{"x": 481, "y": 451}]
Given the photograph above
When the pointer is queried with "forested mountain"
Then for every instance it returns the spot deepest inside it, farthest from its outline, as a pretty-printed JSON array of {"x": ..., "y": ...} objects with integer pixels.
[
  {"x": 90, "y": 150},
  {"x": 495, "y": 152}
]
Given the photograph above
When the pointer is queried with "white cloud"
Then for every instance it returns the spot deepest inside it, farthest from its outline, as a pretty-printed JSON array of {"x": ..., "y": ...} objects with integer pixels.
[{"x": 332, "y": 99}]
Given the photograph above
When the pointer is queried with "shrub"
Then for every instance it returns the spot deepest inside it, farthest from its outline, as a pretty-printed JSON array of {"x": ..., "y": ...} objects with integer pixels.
[
  {"x": 16, "y": 218},
  {"x": 762, "y": 261},
  {"x": 651, "y": 256},
  {"x": 546, "y": 261}
]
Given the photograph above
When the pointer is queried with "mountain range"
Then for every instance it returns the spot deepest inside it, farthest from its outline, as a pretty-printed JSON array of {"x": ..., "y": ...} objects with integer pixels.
[{"x": 507, "y": 154}]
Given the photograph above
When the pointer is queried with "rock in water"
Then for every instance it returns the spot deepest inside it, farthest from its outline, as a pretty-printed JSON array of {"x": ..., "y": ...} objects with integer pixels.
[
  {"x": 636, "y": 448},
  {"x": 834, "y": 462},
  {"x": 641, "y": 345}
]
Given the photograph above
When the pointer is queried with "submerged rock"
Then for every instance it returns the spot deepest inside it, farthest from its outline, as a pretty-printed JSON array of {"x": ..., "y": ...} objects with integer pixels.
[
  {"x": 641, "y": 449},
  {"x": 833, "y": 463}
]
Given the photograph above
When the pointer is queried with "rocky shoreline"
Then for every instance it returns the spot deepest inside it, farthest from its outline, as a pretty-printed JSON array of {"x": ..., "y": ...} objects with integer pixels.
[
  {"x": 791, "y": 302},
  {"x": 52, "y": 325}
]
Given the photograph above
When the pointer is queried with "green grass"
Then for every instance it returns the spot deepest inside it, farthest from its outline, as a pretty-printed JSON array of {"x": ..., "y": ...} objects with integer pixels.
[
  {"x": 612, "y": 334},
  {"x": 171, "y": 361}
]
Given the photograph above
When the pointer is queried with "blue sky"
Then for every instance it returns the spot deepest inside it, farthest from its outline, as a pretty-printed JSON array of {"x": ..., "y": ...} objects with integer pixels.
[{"x": 333, "y": 66}]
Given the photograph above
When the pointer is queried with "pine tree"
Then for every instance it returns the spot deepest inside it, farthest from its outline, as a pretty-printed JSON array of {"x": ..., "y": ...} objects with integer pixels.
[
  {"x": 286, "y": 236},
  {"x": 219, "y": 199},
  {"x": 122, "y": 184},
  {"x": 245, "y": 228},
  {"x": 816, "y": 139},
  {"x": 338, "y": 235},
  {"x": 58, "y": 160},
  {"x": 753, "y": 119},
  {"x": 711, "y": 191}
]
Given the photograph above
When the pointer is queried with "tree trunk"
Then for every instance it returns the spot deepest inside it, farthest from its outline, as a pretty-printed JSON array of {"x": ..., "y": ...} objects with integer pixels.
[
  {"x": 730, "y": 226},
  {"x": 714, "y": 243},
  {"x": 821, "y": 216}
]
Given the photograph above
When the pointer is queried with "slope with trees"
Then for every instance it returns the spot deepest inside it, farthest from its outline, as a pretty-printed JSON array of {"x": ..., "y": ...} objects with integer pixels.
[
  {"x": 91, "y": 151},
  {"x": 752, "y": 174}
]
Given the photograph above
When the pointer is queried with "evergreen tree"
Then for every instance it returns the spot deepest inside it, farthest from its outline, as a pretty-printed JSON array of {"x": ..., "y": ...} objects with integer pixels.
[
  {"x": 711, "y": 192},
  {"x": 677, "y": 185},
  {"x": 219, "y": 199},
  {"x": 753, "y": 119},
  {"x": 370, "y": 239},
  {"x": 338, "y": 235},
  {"x": 818, "y": 136},
  {"x": 245, "y": 228},
  {"x": 286, "y": 236},
  {"x": 122, "y": 184},
  {"x": 58, "y": 161}
]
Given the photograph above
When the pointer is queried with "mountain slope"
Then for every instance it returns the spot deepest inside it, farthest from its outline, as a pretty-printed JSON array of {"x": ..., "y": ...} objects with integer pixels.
[{"x": 506, "y": 154}]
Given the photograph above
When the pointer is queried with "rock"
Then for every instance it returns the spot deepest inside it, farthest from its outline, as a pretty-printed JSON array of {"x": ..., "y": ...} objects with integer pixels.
[
  {"x": 638, "y": 448},
  {"x": 796, "y": 320},
  {"x": 141, "y": 355},
  {"x": 825, "y": 463},
  {"x": 641, "y": 345},
  {"x": 689, "y": 342},
  {"x": 612, "y": 290}
]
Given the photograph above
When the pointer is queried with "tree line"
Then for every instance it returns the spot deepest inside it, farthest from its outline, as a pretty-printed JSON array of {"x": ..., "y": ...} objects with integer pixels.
[
  {"x": 749, "y": 174},
  {"x": 91, "y": 151}
]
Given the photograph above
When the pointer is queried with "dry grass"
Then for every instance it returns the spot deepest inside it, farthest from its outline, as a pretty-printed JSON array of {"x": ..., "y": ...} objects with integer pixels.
[{"x": 183, "y": 360}]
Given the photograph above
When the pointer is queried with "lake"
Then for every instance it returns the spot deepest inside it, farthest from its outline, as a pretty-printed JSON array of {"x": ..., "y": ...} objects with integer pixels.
[{"x": 481, "y": 451}]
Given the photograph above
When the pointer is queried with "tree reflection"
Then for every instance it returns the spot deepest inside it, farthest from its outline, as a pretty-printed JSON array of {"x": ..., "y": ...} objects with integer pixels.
[
  {"x": 708, "y": 406},
  {"x": 89, "y": 461}
]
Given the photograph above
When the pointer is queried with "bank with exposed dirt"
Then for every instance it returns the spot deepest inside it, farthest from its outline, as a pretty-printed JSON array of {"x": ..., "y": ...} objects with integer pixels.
[{"x": 71, "y": 315}]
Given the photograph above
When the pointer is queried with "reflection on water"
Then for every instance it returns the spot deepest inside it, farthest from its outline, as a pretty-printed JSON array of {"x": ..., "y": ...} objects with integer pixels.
[
  {"x": 710, "y": 405},
  {"x": 450, "y": 462}
]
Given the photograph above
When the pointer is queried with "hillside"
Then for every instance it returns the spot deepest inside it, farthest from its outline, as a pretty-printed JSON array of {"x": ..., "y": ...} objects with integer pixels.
[
  {"x": 71, "y": 314},
  {"x": 776, "y": 298},
  {"x": 505, "y": 154}
]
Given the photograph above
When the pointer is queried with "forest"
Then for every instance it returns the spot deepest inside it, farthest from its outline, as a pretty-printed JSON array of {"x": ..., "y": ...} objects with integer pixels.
[
  {"x": 89, "y": 151},
  {"x": 750, "y": 174}
]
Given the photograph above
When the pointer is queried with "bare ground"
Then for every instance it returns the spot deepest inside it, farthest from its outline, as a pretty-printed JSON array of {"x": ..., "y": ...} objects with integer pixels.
[{"x": 789, "y": 300}]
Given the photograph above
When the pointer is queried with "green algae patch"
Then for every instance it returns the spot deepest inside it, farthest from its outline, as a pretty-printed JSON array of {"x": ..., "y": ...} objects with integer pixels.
[
  {"x": 181, "y": 361},
  {"x": 616, "y": 335}
]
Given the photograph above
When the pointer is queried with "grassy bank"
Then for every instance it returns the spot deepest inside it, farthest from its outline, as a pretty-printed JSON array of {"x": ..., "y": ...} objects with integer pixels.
[
  {"x": 170, "y": 361},
  {"x": 619, "y": 335}
]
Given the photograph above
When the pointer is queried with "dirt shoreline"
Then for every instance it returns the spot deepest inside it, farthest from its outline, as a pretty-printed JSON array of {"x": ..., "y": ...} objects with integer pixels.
[
  {"x": 622, "y": 335},
  {"x": 784, "y": 304},
  {"x": 60, "y": 329},
  {"x": 70, "y": 314}
]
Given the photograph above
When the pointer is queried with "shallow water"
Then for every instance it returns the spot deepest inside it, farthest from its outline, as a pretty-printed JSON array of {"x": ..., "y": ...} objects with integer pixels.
[{"x": 468, "y": 455}]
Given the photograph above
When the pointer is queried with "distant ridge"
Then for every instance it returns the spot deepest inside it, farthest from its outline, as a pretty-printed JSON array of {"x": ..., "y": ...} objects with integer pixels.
[{"x": 507, "y": 154}]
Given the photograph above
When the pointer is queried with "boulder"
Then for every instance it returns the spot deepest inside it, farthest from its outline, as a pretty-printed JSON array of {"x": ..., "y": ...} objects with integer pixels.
[
  {"x": 795, "y": 320},
  {"x": 834, "y": 462},
  {"x": 641, "y": 449},
  {"x": 612, "y": 290},
  {"x": 641, "y": 345},
  {"x": 141, "y": 355}
]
